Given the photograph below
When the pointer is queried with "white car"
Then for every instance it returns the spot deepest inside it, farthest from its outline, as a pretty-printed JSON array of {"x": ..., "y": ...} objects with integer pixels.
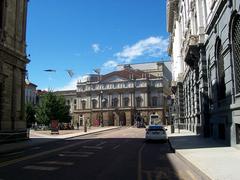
[{"x": 156, "y": 132}]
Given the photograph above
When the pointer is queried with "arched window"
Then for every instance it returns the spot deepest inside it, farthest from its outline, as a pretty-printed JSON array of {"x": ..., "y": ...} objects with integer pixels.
[
  {"x": 126, "y": 102},
  {"x": 94, "y": 103},
  {"x": 83, "y": 104},
  {"x": 154, "y": 101},
  {"x": 104, "y": 102},
  {"x": 139, "y": 101},
  {"x": 220, "y": 71},
  {"x": 236, "y": 51},
  {"x": 115, "y": 102}
]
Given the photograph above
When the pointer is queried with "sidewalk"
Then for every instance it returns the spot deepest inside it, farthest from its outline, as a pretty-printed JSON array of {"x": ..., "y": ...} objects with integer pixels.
[
  {"x": 216, "y": 160},
  {"x": 41, "y": 137}
]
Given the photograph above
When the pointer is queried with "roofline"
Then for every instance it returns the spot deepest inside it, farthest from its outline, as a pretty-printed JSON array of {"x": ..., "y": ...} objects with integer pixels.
[{"x": 145, "y": 62}]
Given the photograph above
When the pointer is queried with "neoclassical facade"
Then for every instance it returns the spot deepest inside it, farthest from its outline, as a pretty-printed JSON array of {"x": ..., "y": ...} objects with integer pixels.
[
  {"x": 117, "y": 96},
  {"x": 12, "y": 68},
  {"x": 204, "y": 45}
]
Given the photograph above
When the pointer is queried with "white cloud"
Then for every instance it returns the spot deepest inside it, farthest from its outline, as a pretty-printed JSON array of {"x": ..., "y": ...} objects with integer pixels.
[
  {"x": 110, "y": 64},
  {"x": 72, "y": 85},
  {"x": 96, "y": 48},
  {"x": 152, "y": 46}
]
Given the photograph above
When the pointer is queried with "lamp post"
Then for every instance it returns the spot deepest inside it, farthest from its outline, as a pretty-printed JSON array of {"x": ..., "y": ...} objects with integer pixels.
[{"x": 101, "y": 119}]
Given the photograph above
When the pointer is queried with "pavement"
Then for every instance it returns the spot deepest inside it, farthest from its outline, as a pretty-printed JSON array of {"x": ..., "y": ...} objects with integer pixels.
[
  {"x": 40, "y": 137},
  {"x": 212, "y": 157}
]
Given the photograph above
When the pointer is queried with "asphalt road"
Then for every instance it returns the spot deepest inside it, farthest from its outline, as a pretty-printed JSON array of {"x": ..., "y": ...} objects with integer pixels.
[{"x": 118, "y": 154}]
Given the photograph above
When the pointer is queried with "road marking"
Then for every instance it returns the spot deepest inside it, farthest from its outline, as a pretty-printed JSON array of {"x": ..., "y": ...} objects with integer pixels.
[
  {"x": 7, "y": 163},
  {"x": 117, "y": 146},
  {"x": 35, "y": 148},
  {"x": 78, "y": 152},
  {"x": 140, "y": 162},
  {"x": 73, "y": 155},
  {"x": 57, "y": 163},
  {"x": 92, "y": 147},
  {"x": 14, "y": 153},
  {"x": 41, "y": 168},
  {"x": 101, "y": 143}
]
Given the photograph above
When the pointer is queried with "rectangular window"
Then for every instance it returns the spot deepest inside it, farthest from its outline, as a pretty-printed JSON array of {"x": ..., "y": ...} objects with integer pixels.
[{"x": 1, "y": 13}]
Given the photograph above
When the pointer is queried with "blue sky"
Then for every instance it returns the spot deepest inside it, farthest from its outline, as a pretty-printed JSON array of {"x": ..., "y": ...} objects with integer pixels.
[{"x": 85, "y": 34}]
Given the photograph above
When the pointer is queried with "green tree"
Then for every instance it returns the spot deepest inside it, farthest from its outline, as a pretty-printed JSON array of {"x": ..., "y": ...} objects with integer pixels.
[
  {"x": 52, "y": 106},
  {"x": 30, "y": 114}
]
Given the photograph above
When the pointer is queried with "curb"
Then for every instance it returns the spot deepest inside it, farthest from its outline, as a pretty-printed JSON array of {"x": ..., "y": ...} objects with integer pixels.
[
  {"x": 51, "y": 140},
  {"x": 92, "y": 133},
  {"x": 188, "y": 163}
]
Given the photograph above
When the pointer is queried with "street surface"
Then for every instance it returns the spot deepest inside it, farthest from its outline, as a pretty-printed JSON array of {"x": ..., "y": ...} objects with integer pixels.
[{"x": 120, "y": 154}]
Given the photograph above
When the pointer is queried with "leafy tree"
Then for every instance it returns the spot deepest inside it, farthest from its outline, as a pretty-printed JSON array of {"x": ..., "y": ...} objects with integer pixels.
[
  {"x": 52, "y": 106},
  {"x": 30, "y": 114}
]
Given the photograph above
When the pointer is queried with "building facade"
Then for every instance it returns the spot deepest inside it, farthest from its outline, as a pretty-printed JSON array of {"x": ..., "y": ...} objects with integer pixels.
[
  {"x": 30, "y": 93},
  {"x": 207, "y": 32},
  {"x": 116, "y": 97},
  {"x": 71, "y": 100},
  {"x": 12, "y": 68}
]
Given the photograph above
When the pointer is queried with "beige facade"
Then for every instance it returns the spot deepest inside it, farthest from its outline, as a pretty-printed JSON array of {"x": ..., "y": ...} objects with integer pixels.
[
  {"x": 116, "y": 97},
  {"x": 12, "y": 68}
]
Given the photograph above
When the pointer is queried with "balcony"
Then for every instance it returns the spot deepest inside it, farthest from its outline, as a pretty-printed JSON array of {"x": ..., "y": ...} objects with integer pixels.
[{"x": 190, "y": 49}]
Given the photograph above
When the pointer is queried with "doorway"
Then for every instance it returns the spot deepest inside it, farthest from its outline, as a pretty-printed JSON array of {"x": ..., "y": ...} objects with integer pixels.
[{"x": 122, "y": 118}]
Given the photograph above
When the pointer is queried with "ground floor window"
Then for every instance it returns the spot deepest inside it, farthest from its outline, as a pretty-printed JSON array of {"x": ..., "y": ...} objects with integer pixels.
[{"x": 237, "y": 133}]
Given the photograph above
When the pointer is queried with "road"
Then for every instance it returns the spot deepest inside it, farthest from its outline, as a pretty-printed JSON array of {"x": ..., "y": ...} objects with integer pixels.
[{"x": 118, "y": 154}]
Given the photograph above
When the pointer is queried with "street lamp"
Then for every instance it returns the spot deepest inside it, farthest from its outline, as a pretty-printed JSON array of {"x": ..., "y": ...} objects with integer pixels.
[{"x": 101, "y": 119}]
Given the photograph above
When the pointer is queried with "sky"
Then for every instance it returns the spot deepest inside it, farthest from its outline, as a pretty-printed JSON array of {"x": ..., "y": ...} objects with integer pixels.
[{"x": 82, "y": 35}]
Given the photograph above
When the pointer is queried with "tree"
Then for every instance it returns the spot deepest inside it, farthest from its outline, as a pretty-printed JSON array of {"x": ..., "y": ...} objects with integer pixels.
[
  {"x": 30, "y": 114},
  {"x": 52, "y": 106}
]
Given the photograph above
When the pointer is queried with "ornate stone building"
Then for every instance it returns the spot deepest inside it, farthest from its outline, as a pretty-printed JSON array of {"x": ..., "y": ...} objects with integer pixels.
[
  {"x": 204, "y": 45},
  {"x": 117, "y": 96},
  {"x": 12, "y": 68},
  {"x": 30, "y": 92}
]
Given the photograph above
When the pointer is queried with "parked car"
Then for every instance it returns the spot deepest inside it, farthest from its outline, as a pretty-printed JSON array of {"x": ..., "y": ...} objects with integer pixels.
[{"x": 156, "y": 132}]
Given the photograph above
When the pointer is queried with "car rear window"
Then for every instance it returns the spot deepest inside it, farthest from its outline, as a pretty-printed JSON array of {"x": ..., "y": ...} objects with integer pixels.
[{"x": 155, "y": 128}]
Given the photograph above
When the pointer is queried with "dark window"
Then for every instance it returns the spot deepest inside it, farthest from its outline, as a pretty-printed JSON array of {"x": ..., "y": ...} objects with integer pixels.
[
  {"x": 154, "y": 101},
  {"x": 236, "y": 51},
  {"x": 104, "y": 103},
  {"x": 126, "y": 101},
  {"x": 75, "y": 101},
  {"x": 83, "y": 104},
  {"x": 220, "y": 71},
  {"x": 94, "y": 103},
  {"x": 1, "y": 13},
  {"x": 139, "y": 101},
  {"x": 115, "y": 102}
]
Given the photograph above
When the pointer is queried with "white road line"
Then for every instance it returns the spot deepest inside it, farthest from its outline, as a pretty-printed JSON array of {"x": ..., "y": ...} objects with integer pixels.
[
  {"x": 140, "y": 162},
  {"x": 117, "y": 146},
  {"x": 92, "y": 147},
  {"x": 41, "y": 168},
  {"x": 14, "y": 153},
  {"x": 101, "y": 143},
  {"x": 7, "y": 163},
  {"x": 35, "y": 148},
  {"x": 57, "y": 163},
  {"x": 78, "y": 152},
  {"x": 73, "y": 155}
]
